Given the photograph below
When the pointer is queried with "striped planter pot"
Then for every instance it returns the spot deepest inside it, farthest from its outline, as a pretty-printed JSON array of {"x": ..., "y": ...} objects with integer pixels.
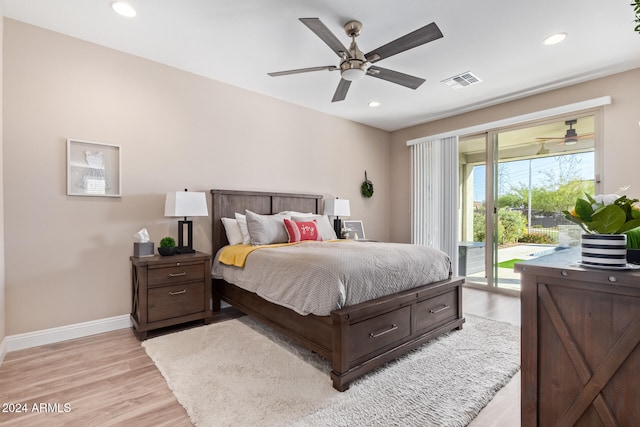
[{"x": 604, "y": 250}]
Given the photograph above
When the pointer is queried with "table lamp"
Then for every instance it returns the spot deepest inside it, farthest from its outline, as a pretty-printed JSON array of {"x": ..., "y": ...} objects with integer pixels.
[
  {"x": 184, "y": 204},
  {"x": 337, "y": 208}
]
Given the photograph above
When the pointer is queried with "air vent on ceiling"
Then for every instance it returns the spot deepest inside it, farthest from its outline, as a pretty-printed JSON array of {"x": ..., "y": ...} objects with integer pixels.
[{"x": 462, "y": 80}]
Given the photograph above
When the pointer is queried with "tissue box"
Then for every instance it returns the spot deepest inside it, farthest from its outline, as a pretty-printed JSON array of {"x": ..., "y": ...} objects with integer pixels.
[{"x": 143, "y": 249}]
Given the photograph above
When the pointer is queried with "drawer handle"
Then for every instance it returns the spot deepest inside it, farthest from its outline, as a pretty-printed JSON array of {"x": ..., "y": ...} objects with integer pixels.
[
  {"x": 443, "y": 308},
  {"x": 184, "y": 291},
  {"x": 177, "y": 274},
  {"x": 386, "y": 331}
]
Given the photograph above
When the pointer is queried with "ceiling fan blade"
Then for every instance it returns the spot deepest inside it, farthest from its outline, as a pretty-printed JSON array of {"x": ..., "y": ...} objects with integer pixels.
[
  {"x": 341, "y": 91},
  {"x": 395, "y": 77},
  {"x": 416, "y": 38},
  {"x": 325, "y": 35},
  {"x": 562, "y": 138},
  {"x": 303, "y": 70}
]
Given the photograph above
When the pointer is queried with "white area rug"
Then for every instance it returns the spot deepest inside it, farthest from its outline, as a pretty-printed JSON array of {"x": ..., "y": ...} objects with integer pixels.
[{"x": 242, "y": 373}]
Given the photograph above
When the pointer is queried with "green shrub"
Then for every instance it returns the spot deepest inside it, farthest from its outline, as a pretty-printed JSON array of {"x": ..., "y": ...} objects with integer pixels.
[
  {"x": 536, "y": 238},
  {"x": 511, "y": 225},
  {"x": 514, "y": 225},
  {"x": 479, "y": 231}
]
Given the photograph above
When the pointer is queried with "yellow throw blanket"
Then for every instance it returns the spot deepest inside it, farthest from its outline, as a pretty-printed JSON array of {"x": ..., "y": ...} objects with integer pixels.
[{"x": 237, "y": 254}]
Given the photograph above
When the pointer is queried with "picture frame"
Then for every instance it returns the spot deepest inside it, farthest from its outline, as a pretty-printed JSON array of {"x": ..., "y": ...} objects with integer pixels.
[
  {"x": 356, "y": 229},
  {"x": 93, "y": 169}
]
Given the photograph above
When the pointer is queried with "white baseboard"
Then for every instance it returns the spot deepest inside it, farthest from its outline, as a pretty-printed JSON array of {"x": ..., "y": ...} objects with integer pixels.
[
  {"x": 63, "y": 333},
  {"x": 3, "y": 349}
]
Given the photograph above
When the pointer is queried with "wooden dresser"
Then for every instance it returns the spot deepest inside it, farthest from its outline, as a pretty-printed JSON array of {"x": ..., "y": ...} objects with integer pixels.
[
  {"x": 580, "y": 343},
  {"x": 169, "y": 290}
]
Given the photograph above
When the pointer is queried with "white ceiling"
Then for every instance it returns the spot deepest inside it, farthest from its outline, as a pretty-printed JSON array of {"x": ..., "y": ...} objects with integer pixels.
[{"x": 239, "y": 42}]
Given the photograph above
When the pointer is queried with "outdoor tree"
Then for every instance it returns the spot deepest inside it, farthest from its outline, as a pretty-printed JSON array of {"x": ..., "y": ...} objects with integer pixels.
[
  {"x": 562, "y": 186},
  {"x": 516, "y": 199},
  {"x": 549, "y": 201}
]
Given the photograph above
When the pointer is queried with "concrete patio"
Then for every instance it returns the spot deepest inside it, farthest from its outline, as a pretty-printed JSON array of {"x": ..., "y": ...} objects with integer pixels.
[{"x": 507, "y": 278}]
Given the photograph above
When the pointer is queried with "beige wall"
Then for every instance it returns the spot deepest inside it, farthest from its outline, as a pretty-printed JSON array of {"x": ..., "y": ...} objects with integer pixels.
[
  {"x": 3, "y": 328},
  {"x": 67, "y": 257},
  {"x": 618, "y": 152}
]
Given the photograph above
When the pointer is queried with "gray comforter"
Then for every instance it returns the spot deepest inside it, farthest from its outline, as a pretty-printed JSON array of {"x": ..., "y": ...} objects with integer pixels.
[{"x": 318, "y": 277}]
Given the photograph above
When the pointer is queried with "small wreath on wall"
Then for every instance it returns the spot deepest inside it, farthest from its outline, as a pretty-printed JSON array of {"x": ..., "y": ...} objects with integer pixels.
[{"x": 367, "y": 187}]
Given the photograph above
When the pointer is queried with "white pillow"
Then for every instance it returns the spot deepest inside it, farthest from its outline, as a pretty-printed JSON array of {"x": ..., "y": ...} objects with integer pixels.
[
  {"x": 232, "y": 229},
  {"x": 242, "y": 223},
  {"x": 324, "y": 225}
]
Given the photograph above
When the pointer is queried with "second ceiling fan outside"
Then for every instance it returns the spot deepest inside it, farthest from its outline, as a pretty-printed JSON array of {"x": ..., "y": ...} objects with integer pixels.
[{"x": 571, "y": 136}]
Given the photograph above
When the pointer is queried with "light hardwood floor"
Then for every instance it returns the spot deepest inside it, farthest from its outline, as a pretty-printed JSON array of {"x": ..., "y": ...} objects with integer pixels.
[
  {"x": 108, "y": 379},
  {"x": 504, "y": 408}
]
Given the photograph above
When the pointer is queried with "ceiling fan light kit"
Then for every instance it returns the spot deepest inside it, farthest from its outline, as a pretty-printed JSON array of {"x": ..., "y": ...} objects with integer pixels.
[
  {"x": 352, "y": 74},
  {"x": 353, "y": 69},
  {"x": 355, "y": 64}
]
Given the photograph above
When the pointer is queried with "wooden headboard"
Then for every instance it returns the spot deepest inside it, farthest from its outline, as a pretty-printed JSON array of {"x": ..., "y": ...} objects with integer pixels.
[{"x": 225, "y": 203}]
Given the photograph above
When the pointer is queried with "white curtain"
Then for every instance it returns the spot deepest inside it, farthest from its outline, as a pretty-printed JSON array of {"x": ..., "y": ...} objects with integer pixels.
[{"x": 434, "y": 196}]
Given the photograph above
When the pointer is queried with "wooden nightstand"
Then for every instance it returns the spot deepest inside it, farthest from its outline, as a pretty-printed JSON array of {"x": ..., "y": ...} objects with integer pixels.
[{"x": 169, "y": 290}]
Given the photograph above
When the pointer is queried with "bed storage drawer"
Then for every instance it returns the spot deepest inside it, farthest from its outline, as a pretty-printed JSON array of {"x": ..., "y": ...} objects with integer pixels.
[
  {"x": 166, "y": 302},
  {"x": 380, "y": 331},
  {"x": 177, "y": 273},
  {"x": 436, "y": 310}
]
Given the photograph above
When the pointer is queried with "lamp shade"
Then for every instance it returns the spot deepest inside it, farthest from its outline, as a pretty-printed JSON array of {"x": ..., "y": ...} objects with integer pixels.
[
  {"x": 337, "y": 207},
  {"x": 185, "y": 203}
]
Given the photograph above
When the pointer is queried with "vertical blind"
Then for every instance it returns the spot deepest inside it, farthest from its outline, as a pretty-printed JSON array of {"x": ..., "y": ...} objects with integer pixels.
[{"x": 434, "y": 196}]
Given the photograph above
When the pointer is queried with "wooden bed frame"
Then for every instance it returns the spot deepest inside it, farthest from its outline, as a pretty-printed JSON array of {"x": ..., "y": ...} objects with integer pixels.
[{"x": 358, "y": 338}]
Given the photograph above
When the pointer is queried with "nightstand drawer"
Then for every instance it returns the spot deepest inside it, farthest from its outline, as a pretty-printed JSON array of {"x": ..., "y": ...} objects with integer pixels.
[
  {"x": 174, "y": 301},
  {"x": 178, "y": 273}
]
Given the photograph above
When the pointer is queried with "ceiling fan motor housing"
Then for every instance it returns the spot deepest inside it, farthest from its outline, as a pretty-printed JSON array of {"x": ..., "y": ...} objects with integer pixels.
[
  {"x": 354, "y": 65},
  {"x": 571, "y": 137}
]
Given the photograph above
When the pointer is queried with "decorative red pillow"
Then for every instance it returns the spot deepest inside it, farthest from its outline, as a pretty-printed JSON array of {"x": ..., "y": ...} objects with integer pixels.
[{"x": 299, "y": 231}]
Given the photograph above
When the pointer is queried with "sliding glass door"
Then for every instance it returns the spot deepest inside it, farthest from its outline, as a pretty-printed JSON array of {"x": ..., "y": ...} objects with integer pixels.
[{"x": 511, "y": 210}]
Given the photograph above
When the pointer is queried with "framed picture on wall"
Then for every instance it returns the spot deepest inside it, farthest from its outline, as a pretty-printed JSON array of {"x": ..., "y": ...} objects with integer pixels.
[
  {"x": 356, "y": 229},
  {"x": 93, "y": 169}
]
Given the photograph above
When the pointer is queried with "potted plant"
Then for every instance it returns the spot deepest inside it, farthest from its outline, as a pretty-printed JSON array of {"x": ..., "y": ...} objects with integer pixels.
[
  {"x": 636, "y": 10},
  {"x": 167, "y": 246},
  {"x": 606, "y": 220}
]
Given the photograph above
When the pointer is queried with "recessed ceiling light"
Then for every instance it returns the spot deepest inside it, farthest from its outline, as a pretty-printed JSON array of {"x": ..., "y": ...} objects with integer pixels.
[
  {"x": 374, "y": 104},
  {"x": 124, "y": 9},
  {"x": 555, "y": 38}
]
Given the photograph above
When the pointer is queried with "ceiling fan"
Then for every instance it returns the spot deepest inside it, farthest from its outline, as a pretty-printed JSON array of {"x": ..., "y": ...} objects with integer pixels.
[
  {"x": 354, "y": 64},
  {"x": 571, "y": 137}
]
